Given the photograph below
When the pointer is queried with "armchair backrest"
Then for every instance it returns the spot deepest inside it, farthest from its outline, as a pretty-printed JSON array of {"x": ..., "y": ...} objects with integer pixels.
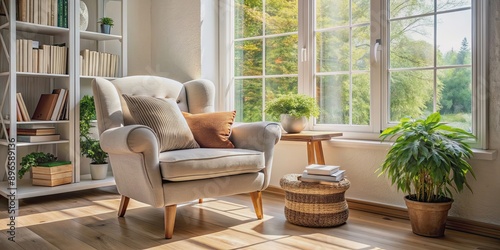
[{"x": 196, "y": 96}]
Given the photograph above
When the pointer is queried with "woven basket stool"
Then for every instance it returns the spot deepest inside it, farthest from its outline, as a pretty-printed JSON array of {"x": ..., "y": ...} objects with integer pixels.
[{"x": 313, "y": 204}]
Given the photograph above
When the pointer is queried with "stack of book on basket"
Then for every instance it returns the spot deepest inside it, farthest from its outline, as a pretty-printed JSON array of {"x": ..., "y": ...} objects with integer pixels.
[
  {"x": 323, "y": 174},
  {"x": 36, "y": 133}
]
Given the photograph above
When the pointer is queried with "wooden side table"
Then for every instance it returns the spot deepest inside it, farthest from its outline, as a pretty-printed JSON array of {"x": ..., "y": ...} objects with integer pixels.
[{"x": 313, "y": 139}]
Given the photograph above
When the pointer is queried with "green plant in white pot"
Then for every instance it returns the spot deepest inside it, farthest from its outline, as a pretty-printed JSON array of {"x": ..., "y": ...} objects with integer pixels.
[
  {"x": 427, "y": 161},
  {"x": 294, "y": 110},
  {"x": 89, "y": 146}
]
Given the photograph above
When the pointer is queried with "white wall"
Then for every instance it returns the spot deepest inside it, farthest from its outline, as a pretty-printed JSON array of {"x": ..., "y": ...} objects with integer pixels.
[
  {"x": 177, "y": 35},
  {"x": 176, "y": 39},
  {"x": 139, "y": 37}
]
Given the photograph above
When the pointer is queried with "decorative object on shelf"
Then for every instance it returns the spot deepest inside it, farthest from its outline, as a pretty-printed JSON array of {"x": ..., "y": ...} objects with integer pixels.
[
  {"x": 52, "y": 173},
  {"x": 426, "y": 161},
  {"x": 293, "y": 110},
  {"x": 84, "y": 16},
  {"x": 89, "y": 146},
  {"x": 34, "y": 159},
  {"x": 106, "y": 24}
]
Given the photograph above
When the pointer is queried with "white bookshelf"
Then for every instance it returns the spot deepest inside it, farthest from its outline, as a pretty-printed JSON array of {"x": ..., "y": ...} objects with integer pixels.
[{"x": 32, "y": 85}]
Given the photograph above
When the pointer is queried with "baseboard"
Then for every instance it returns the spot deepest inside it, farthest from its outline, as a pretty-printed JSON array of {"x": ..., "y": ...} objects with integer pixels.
[{"x": 454, "y": 223}]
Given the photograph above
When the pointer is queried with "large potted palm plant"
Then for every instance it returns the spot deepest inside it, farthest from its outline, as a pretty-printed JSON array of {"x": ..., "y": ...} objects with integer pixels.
[{"x": 427, "y": 161}]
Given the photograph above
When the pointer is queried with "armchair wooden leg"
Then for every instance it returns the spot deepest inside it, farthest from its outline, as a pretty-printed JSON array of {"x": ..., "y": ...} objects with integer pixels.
[
  {"x": 169, "y": 220},
  {"x": 123, "y": 206},
  {"x": 257, "y": 203}
]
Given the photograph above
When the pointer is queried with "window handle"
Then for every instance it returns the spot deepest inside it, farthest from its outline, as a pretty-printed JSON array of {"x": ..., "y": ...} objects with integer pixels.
[
  {"x": 303, "y": 56},
  {"x": 376, "y": 48}
]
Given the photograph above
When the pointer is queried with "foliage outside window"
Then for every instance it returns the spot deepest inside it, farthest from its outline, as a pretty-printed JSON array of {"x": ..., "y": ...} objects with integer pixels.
[{"x": 425, "y": 65}]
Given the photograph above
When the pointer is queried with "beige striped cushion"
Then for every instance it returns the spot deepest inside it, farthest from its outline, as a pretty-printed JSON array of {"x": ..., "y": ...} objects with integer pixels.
[{"x": 165, "y": 118}]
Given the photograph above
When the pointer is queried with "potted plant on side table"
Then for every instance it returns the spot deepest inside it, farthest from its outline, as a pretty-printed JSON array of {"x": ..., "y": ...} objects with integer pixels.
[
  {"x": 106, "y": 24},
  {"x": 89, "y": 146},
  {"x": 294, "y": 110},
  {"x": 426, "y": 161}
]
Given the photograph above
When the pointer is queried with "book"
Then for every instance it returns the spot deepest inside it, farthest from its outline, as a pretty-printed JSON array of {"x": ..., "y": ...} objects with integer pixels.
[
  {"x": 22, "y": 107},
  {"x": 38, "y": 138},
  {"x": 335, "y": 177},
  {"x": 36, "y": 131},
  {"x": 45, "y": 107},
  {"x": 19, "y": 116},
  {"x": 63, "y": 106},
  {"x": 34, "y": 126},
  {"x": 321, "y": 169},
  {"x": 58, "y": 107}
]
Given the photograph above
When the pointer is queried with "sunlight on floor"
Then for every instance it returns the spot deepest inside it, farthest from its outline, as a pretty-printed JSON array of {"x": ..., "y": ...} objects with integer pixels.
[{"x": 101, "y": 207}]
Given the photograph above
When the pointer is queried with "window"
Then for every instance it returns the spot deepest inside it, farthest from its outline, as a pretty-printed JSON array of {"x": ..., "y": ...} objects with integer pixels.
[
  {"x": 265, "y": 54},
  {"x": 368, "y": 62}
]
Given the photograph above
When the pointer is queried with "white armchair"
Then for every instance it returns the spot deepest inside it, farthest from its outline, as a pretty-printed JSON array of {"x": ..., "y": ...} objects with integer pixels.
[{"x": 165, "y": 179}]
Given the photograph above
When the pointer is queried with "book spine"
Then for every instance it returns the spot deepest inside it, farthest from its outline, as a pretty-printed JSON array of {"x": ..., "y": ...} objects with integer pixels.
[
  {"x": 59, "y": 13},
  {"x": 65, "y": 16}
]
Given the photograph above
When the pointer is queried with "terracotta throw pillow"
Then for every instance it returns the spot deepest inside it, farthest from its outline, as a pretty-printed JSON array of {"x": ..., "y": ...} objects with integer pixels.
[
  {"x": 164, "y": 117},
  {"x": 211, "y": 130}
]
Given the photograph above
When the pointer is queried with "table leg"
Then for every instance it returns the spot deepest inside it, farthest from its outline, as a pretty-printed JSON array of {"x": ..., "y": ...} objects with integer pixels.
[
  {"x": 320, "y": 158},
  {"x": 310, "y": 153}
]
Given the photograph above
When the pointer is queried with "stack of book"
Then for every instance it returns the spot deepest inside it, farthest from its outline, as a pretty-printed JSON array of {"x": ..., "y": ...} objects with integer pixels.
[
  {"x": 48, "y": 59},
  {"x": 94, "y": 63},
  {"x": 52, "y": 107},
  {"x": 44, "y": 12},
  {"x": 36, "y": 133},
  {"x": 324, "y": 174}
]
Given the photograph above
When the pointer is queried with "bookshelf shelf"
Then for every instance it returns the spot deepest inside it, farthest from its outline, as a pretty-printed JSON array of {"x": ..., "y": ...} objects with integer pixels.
[
  {"x": 39, "y": 122},
  {"x": 26, "y": 190},
  {"x": 89, "y": 35},
  {"x": 24, "y": 144},
  {"x": 29, "y": 74},
  {"x": 40, "y": 29}
]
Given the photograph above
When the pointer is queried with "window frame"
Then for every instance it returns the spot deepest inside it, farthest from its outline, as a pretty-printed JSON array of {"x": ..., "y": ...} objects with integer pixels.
[{"x": 379, "y": 106}]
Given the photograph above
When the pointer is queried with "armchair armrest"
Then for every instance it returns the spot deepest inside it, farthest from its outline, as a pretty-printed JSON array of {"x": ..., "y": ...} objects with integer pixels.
[
  {"x": 257, "y": 135},
  {"x": 260, "y": 136},
  {"x": 133, "y": 154},
  {"x": 129, "y": 139}
]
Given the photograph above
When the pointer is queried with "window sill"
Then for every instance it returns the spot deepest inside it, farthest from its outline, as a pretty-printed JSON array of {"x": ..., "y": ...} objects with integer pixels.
[{"x": 479, "y": 154}]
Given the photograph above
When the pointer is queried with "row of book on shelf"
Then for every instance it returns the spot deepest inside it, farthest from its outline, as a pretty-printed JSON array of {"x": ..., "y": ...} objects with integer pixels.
[
  {"x": 324, "y": 174},
  {"x": 50, "y": 107},
  {"x": 36, "y": 58},
  {"x": 44, "y": 12},
  {"x": 94, "y": 63}
]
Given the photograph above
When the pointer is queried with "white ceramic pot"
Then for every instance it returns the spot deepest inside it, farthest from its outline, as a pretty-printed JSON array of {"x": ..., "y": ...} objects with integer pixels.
[
  {"x": 293, "y": 124},
  {"x": 98, "y": 171}
]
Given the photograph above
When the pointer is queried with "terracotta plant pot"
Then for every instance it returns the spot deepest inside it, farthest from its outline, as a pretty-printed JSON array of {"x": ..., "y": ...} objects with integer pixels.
[{"x": 427, "y": 218}]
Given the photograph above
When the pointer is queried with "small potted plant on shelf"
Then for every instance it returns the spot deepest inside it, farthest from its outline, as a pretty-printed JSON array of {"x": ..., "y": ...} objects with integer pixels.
[
  {"x": 293, "y": 110},
  {"x": 46, "y": 170},
  {"x": 33, "y": 159},
  {"x": 89, "y": 146},
  {"x": 106, "y": 24},
  {"x": 426, "y": 161}
]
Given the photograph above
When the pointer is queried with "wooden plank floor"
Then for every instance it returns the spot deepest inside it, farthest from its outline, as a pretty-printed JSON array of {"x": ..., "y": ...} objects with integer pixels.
[{"x": 87, "y": 220}]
